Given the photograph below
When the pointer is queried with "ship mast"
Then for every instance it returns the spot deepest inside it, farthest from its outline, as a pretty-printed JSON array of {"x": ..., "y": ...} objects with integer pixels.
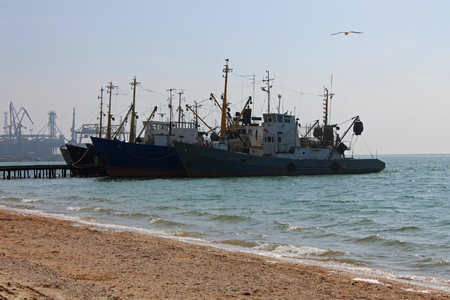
[
  {"x": 72, "y": 130},
  {"x": 110, "y": 88},
  {"x": 179, "y": 107},
  {"x": 170, "y": 109},
  {"x": 6, "y": 123},
  {"x": 101, "y": 113},
  {"x": 133, "y": 112},
  {"x": 196, "y": 106},
  {"x": 327, "y": 96},
  {"x": 267, "y": 90},
  {"x": 223, "y": 125}
]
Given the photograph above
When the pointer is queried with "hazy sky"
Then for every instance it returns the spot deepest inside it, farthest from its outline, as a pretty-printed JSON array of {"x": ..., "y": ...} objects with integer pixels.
[{"x": 56, "y": 55}]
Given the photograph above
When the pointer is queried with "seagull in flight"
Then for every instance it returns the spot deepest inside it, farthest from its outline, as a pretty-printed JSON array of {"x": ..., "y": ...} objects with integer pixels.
[{"x": 346, "y": 32}]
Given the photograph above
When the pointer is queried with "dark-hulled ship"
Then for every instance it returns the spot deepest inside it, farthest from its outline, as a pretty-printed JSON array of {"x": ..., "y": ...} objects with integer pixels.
[
  {"x": 284, "y": 155},
  {"x": 285, "y": 152}
]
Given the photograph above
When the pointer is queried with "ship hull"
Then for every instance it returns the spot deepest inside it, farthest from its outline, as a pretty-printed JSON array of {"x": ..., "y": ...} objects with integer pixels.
[
  {"x": 210, "y": 162},
  {"x": 81, "y": 155},
  {"x": 83, "y": 160},
  {"x": 66, "y": 155},
  {"x": 122, "y": 159}
]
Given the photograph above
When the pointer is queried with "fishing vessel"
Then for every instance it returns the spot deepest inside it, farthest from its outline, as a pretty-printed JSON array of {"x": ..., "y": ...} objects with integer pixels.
[
  {"x": 82, "y": 157},
  {"x": 284, "y": 155},
  {"x": 65, "y": 154},
  {"x": 321, "y": 151},
  {"x": 152, "y": 155}
]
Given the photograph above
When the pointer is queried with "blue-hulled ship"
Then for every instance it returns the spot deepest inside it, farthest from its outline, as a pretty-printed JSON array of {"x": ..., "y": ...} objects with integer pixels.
[{"x": 151, "y": 156}]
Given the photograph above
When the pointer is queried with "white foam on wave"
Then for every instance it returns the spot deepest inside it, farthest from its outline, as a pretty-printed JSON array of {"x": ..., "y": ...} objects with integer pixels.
[
  {"x": 97, "y": 209},
  {"x": 75, "y": 208},
  {"x": 27, "y": 200},
  {"x": 293, "y": 227},
  {"x": 301, "y": 251},
  {"x": 90, "y": 221},
  {"x": 43, "y": 214},
  {"x": 289, "y": 250},
  {"x": 375, "y": 281},
  {"x": 124, "y": 228}
]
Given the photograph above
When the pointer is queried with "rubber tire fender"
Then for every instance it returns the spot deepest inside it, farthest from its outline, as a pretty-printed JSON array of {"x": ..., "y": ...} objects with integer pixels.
[
  {"x": 335, "y": 167},
  {"x": 291, "y": 167}
]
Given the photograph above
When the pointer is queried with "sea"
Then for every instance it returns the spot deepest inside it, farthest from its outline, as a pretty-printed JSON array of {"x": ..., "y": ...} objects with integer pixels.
[{"x": 394, "y": 224}]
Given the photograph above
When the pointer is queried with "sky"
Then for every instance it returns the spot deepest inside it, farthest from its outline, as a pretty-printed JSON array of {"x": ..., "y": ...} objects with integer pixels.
[{"x": 57, "y": 55}]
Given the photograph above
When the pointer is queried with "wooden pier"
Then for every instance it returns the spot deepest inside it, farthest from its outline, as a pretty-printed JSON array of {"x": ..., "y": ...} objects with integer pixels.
[{"x": 49, "y": 171}]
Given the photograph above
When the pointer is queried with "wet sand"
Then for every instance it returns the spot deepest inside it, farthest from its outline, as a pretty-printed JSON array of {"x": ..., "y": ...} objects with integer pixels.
[{"x": 45, "y": 258}]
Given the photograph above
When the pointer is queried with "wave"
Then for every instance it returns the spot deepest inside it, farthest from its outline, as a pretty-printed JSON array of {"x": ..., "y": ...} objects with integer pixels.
[
  {"x": 7, "y": 198},
  {"x": 281, "y": 250},
  {"x": 98, "y": 209},
  {"x": 166, "y": 224},
  {"x": 26, "y": 207},
  {"x": 240, "y": 243},
  {"x": 193, "y": 234},
  {"x": 76, "y": 208},
  {"x": 155, "y": 220},
  {"x": 132, "y": 215},
  {"x": 373, "y": 239},
  {"x": 26, "y": 200},
  {"x": 196, "y": 213},
  {"x": 230, "y": 218},
  {"x": 432, "y": 263},
  {"x": 403, "y": 229},
  {"x": 395, "y": 244},
  {"x": 299, "y": 251},
  {"x": 366, "y": 221},
  {"x": 164, "y": 208},
  {"x": 290, "y": 227}
]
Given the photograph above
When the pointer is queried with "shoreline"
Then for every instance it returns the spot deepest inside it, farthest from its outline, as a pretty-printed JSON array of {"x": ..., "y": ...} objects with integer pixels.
[
  {"x": 424, "y": 281},
  {"x": 45, "y": 257}
]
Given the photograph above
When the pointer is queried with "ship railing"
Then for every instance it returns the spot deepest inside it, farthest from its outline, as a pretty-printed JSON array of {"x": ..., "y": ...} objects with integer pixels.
[{"x": 159, "y": 125}]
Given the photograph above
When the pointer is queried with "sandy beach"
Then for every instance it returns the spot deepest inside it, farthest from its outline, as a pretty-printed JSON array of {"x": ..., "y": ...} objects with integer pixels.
[{"x": 46, "y": 258}]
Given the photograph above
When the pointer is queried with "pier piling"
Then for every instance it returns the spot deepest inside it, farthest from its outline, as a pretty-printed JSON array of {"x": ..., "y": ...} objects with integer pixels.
[{"x": 37, "y": 171}]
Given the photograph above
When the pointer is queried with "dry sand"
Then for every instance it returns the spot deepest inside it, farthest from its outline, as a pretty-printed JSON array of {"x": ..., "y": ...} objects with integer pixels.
[{"x": 45, "y": 258}]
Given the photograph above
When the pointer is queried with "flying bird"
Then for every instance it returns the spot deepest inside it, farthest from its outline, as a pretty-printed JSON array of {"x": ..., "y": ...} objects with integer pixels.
[{"x": 346, "y": 32}]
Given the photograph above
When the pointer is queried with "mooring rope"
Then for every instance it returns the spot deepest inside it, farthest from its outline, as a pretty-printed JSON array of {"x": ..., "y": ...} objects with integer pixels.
[{"x": 81, "y": 157}]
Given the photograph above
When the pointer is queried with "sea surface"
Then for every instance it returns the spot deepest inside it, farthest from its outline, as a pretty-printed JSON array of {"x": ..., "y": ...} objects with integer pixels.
[{"x": 394, "y": 224}]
